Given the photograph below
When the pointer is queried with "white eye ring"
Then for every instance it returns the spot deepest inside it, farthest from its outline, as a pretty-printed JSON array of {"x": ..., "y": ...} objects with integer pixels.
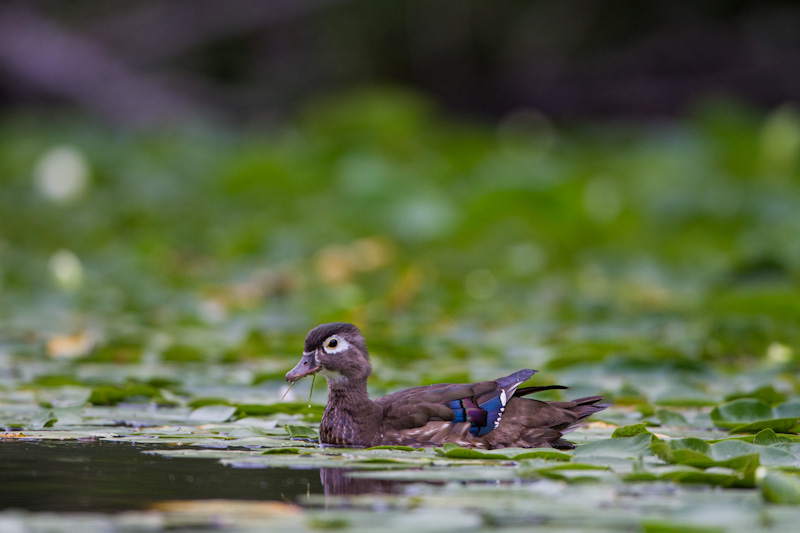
[{"x": 335, "y": 344}]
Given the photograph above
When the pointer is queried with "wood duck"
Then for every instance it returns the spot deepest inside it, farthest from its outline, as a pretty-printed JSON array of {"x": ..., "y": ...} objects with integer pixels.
[{"x": 487, "y": 415}]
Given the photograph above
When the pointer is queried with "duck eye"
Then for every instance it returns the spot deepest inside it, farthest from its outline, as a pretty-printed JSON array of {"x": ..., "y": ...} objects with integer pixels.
[{"x": 332, "y": 343}]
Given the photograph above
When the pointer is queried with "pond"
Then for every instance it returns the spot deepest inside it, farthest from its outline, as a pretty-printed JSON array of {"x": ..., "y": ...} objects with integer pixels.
[{"x": 97, "y": 476}]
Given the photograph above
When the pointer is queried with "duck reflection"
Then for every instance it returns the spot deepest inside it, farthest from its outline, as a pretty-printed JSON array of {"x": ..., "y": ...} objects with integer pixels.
[{"x": 338, "y": 482}]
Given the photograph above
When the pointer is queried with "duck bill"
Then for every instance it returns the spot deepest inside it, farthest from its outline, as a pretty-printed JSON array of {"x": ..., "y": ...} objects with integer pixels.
[{"x": 307, "y": 366}]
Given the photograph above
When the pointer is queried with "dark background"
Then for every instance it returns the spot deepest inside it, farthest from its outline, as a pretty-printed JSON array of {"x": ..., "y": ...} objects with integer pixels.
[{"x": 256, "y": 61}]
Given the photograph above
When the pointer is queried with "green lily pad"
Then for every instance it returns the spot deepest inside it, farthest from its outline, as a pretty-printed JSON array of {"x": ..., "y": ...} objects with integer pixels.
[
  {"x": 789, "y": 409},
  {"x": 399, "y": 448},
  {"x": 43, "y": 419},
  {"x": 575, "y": 472},
  {"x": 281, "y": 450},
  {"x": 454, "y": 451},
  {"x": 627, "y": 448},
  {"x": 671, "y": 418},
  {"x": 681, "y": 396},
  {"x": 729, "y": 453},
  {"x": 202, "y": 402},
  {"x": 767, "y": 437},
  {"x": 749, "y": 415},
  {"x": 301, "y": 432},
  {"x": 629, "y": 431},
  {"x": 716, "y": 476},
  {"x": 740, "y": 412},
  {"x": 779, "y": 488},
  {"x": 663, "y": 526},
  {"x": 212, "y": 413},
  {"x": 780, "y": 425},
  {"x": 766, "y": 394},
  {"x": 130, "y": 392},
  {"x": 253, "y": 409}
]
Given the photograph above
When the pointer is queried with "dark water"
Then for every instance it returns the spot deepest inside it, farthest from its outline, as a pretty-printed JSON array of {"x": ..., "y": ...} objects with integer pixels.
[{"x": 114, "y": 476}]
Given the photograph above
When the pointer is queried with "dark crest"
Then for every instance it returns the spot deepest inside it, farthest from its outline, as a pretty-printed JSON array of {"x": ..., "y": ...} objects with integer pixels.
[{"x": 317, "y": 336}]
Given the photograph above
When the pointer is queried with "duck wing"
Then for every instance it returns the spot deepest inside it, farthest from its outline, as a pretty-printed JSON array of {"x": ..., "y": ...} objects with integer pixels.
[{"x": 479, "y": 406}]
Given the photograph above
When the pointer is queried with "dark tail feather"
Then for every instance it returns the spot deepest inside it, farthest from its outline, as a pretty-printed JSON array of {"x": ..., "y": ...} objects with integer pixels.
[
  {"x": 583, "y": 408},
  {"x": 530, "y": 390},
  {"x": 588, "y": 406}
]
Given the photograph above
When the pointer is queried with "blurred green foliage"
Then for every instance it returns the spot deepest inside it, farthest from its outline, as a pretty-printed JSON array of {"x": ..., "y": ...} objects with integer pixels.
[{"x": 660, "y": 245}]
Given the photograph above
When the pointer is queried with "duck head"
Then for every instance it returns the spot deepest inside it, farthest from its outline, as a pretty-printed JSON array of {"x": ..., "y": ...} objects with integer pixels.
[{"x": 337, "y": 351}]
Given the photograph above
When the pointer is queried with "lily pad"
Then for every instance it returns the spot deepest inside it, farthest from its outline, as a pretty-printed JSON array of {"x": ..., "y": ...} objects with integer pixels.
[
  {"x": 750, "y": 415},
  {"x": 766, "y": 394},
  {"x": 301, "y": 432},
  {"x": 730, "y": 453},
  {"x": 399, "y": 448},
  {"x": 627, "y": 448},
  {"x": 781, "y": 425},
  {"x": 281, "y": 450},
  {"x": 716, "y": 476},
  {"x": 629, "y": 431},
  {"x": 671, "y": 418},
  {"x": 212, "y": 413},
  {"x": 779, "y": 488},
  {"x": 454, "y": 451},
  {"x": 740, "y": 412}
]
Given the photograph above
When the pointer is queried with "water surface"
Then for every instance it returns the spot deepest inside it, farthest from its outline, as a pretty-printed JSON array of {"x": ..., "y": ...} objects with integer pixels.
[{"x": 116, "y": 476}]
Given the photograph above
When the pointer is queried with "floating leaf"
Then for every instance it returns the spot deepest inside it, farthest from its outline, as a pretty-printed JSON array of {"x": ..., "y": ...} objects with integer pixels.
[
  {"x": 788, "y": 410},
  {"x": 575, "y": 472},
  {"x": 740, "y": 412},
  {"x": 301, "y": 432},
  {"x": 254, "y": 409},
  {"x": 779, "y": 488},
  {"x": 730, "y": 453},
  {"x": 766, "y": 394},
  {"x": 663, "y": 526},
  {"x": 454, "y": 451},
  {"x": 212, "y": 413},
  {"x": 43, "y": 419},
  {"x": 114, "y": 394},
  {"x": 671, "y": 418},
  {"x": 767, "y": 437},
  {"x": 398, "y": 448},
  {"x": 628, "y": 448},
  {"x": 281, "y": 450},
  {"x": 781, "y": 425},
  {"x": 202, "y": 402},
  {"x": 727, "y": 477},
  {"x": 683, "y": 396},
  {"x": 751, "y": 416},
  {"x": 629, "y": 431}
]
